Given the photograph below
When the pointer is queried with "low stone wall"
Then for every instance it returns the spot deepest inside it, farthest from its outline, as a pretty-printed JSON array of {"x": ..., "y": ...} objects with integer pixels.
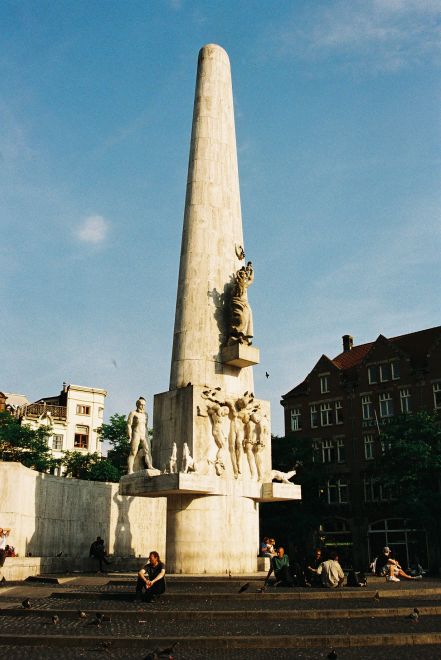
[
  {"x": 49, "y": 515},
  {"x": 19, "y": 568}
]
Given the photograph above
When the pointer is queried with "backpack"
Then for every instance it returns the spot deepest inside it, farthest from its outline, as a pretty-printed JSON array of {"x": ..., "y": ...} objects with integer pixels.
[{"x": 356, "y": 579}]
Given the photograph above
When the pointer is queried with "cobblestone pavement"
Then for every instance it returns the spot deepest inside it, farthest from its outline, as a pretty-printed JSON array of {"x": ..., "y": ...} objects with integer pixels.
[{"x": 422, "y": 652}]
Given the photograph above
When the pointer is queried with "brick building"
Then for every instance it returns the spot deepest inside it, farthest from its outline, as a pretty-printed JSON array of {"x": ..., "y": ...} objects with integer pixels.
[{"x": 341, "y": 406}]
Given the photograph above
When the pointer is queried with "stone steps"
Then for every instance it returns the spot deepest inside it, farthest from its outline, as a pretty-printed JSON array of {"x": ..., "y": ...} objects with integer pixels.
[{"x": 209, "y": 622}]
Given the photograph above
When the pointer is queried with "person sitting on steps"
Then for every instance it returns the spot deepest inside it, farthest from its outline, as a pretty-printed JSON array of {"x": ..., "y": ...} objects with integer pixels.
[{"x": 387, "y": 567}]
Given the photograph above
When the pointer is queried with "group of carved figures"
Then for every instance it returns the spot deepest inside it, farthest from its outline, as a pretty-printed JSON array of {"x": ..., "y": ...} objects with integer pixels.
[{"x": 248, "y": 431}]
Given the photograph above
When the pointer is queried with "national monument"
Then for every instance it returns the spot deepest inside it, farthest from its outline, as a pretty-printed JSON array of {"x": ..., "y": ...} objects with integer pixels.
[{"x": 211, "y": 449}]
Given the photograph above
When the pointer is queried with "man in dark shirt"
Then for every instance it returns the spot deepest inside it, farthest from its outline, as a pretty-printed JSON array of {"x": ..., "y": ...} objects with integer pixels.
[
  {"x": 98, "y": 551},
  {"x": 280, "y": 566},
  {"x": 151, "y": 578},
  {"x": 312, "y": 565}
]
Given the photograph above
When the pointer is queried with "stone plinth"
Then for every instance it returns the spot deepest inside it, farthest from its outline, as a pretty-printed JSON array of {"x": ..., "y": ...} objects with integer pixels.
[
  {"x": 240, "y": 355},
  {"x": 165, "y": 485}
]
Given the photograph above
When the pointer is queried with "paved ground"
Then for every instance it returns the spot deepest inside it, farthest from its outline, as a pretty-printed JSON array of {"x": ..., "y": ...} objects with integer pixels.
[{"x": 212, "y": 620}]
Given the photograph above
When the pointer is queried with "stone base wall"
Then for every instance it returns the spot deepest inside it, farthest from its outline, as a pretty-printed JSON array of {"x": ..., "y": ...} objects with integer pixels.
[{"x": 48, "y": 515}]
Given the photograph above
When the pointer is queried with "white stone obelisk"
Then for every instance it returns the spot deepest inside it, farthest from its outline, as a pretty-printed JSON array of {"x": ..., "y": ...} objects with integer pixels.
[
  {"x": 209, "y": 412},
  {"x": 212, "y": 231}
]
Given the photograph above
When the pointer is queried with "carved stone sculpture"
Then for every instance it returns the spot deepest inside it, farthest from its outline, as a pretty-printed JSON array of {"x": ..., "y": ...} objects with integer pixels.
[
  {"x": 248, "y": 443},
  {"x": 173, "y": 461},
  {"x": 216, "y": 412},
  {"x": 137, "y": 434},
  {"x": 188, "y": 464},
  {"x": 241, "y": 330},
  {"x": 261, "y": 430},
  {"x": 284, "y": 477}
]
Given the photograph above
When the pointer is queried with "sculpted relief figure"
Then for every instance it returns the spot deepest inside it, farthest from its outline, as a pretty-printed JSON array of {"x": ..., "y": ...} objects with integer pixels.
[
  {"x": 173, "y": 461},
  {"x": 284, "y": 477},
  {"x": 241, "y": 330},
  {"x": 187, "y": 460},
  {"x": 261, "y": 430},
  {"x": 216, "y": 413},
  {"x": 137, "y": 434}
]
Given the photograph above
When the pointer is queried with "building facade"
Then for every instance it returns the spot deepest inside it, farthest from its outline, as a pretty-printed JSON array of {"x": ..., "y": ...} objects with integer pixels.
[
  {"x": 73, "y": 418},
  {"x": 342, "y": 405}
]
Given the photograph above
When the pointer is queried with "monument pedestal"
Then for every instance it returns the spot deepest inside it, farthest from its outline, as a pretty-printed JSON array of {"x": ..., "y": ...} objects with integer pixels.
[{"x": 212, "y": 523}]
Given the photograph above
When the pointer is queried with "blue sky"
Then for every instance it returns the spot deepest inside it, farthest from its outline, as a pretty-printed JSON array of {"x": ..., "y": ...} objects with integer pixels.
[{"x": 338, "y": 129}]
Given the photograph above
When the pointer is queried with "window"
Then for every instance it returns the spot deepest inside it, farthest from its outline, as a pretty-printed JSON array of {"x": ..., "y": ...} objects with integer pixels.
[
  {"x": 327, "y": 451},
  {"x": 375, "y": 492},
  {"x": 324, "y": 384},
  {"x": 369, "y": 447},
  {"x": 340, "y": 447},
  {"x": 83, "y": 410},
  {"x": 437, "y": 395},
  {"x": 295, "y": 419},
  {"x": 386, "y": 405},
  {"x": 326, "y": 414},
  {"x": 395, "y": 369},
  {"x": 366, "y": 407},
  {"x": 314, "y": 416},
  {"x": 338, "y": 412},
  {"x": 405, "y": 401},
  {"x": 100, "y": 412},
  {"x": 57, "y": 442},
  {"x": 384, "y": 372},
  {"x": 81, "y": 436},
  {"x": 337, "y": 491},
  {"x": 372, "y": 374},
  {"x": 316, "y": 451}
]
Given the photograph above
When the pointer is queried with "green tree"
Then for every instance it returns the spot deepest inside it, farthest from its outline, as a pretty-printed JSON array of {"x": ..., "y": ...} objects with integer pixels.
[
  {"x": 115, "y": 433},
  {"x": 91, "y": 467},
  {"x": 25, "y": 445},
  {"x": 410, "y": 466}
]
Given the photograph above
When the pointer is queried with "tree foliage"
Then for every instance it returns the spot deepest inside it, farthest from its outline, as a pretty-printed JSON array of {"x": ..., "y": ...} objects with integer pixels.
[
  {"x": 91, "y": 467},
  {"x": 24, "y": 445},
  {"x": 411, "y": 465},
  {"x": 115, "y": 433}
]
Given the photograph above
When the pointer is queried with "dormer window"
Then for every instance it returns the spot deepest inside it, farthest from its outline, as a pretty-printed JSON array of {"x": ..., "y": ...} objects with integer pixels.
[
  {"x": 324, "y": 384},
  {"x": 384, "y": 372}
]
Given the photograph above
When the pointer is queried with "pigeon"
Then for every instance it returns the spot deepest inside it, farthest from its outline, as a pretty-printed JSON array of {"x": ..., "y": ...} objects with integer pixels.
[
  {"x": 261, "y": 590},
  {"x": 244, "y": 587},
  {"x": 115, "y": 364},
  {"x": 332, "y": 655},
  {"x": 55, "y": 619},
  {"x": 82, "y": 615},
  {"x": 377, "y": 597},
  {"x": 3, "y": 582},
  {"x": 229, "y": 574},
  {"x": 158, "y": 653},
  {"x": 59, "y": 554},
  {"x": 98, "y": 619},
  {"x": 415, "y": 615},
  {"x": 26, "y": 604},
  {"x": 266, "y": 374}
]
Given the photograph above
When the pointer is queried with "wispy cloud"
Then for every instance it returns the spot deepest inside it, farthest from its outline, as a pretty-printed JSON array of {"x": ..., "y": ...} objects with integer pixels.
[
  {"x": 92, "y": 229},
  {"x": 379, "y": 35}
]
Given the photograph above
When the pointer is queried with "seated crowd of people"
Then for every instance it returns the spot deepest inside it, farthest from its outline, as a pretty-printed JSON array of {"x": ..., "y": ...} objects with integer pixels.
[{"x": 323, "y": 568}]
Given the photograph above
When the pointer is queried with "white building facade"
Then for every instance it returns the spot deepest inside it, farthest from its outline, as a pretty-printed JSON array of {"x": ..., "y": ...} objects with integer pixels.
[{"x": 73, "y": 419}]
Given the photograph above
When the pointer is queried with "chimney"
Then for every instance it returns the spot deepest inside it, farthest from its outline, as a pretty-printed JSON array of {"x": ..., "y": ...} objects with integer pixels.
[
  {"x": 64, "y": 387},
  {"x": 348, "y": 342}
]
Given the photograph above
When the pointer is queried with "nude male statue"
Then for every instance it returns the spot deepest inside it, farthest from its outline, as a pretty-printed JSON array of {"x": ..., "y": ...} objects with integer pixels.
[
  {"x": 216, "y": 412},
  {"x": 137, "y": 434}
]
